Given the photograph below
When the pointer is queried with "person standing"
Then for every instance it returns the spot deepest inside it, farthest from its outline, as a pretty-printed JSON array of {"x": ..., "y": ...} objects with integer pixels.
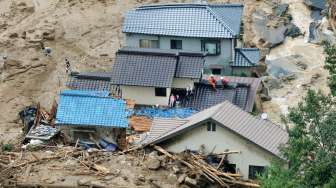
[
  {"x": 67, "y": 66},
  {"x": 172, "y": 101}
]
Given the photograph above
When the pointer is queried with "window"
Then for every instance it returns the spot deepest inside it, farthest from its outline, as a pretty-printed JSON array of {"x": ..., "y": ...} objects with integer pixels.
[
  {"x": 176, "y": 44},
  {"x": 211, "y": 126},
  {"x": 160, "y": 92},
  {"x": 145, "y": 43},
  {"x": 211, "y": 47},
  {"x": 216, "y": 71},
  {"x": 255, "y": 170}
]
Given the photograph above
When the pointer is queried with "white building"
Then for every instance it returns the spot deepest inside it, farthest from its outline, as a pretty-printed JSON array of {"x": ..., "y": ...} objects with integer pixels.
[{"x": 224, "y": 127}]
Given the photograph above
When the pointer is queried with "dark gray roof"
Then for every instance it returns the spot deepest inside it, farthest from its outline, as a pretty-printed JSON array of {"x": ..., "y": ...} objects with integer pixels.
[
  {"x": 189, "y": 66},
  {"x": 143, "y": 70},
  {"x": 263, "y": 133},
  {"x": 246, "y": 57},
  {"x": 186, "y": 20},
  {"x": 92, "y": 75},
  {"x": 155, "y": 67},
  {"x": 242, "y": 94}
]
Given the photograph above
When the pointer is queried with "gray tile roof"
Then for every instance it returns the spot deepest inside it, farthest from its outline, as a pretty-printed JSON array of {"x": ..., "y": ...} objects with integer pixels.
[
  {"x": 246, "y": 57},
  {"x": 143, "y": 70},
  {"x": 185, "y": 20},
  {"x": 189, "y": 66},
  {"x": 263, "y": 133},
  {"x": 243, "y": 95},
  {"x": 155, "y": 67},
  {"x": 89, "y": 81}
]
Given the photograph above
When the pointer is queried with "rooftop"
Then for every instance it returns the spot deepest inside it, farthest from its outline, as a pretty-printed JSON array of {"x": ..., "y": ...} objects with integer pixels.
[
  {"x": 263, "y": 133},
  {"x": 185, "y": 20},
  {"x": 143, "y": 67},
  {"x": 91, "y": 109},
  {"x": 246, "y": 57},
  {"x": 241, "y": 92}
]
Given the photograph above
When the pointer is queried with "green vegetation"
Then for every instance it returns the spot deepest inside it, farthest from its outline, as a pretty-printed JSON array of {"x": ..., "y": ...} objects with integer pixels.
[
  {"x": 311, "y": 147},
  {"x": 7, "y": 147},
  {"x": 330, "y": 65}
]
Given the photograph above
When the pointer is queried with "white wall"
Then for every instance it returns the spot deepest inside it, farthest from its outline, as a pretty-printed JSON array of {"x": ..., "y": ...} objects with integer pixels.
[
  {"x": 183, "y": 83},
  {"x": 222, "y": 139},
  {"x": 189, "y": 44},
  {"x": 144, "y": 95}
]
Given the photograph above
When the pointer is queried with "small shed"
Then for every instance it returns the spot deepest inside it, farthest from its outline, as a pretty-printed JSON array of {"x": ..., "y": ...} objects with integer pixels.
[{"x": 92, "y": 116}]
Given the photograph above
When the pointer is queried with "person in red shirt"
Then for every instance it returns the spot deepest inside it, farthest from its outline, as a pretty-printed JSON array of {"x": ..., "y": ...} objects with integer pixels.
[{"x": 212, "y": 81}]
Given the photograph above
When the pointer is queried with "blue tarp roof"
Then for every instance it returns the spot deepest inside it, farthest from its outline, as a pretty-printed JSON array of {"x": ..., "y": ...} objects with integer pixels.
[{"x": 91, "y": 108}]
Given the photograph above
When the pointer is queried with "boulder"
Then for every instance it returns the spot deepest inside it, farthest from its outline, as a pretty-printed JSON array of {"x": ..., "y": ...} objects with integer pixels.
[
  {"x": 153, "y": 164},
  {"x": 267, "y": 35},
  {"x": 319, "y": 32},
  {"x": 181, "y": 178},
  {"x": 190, "y": 181},
  {"x": 172, "y": 179},
  {"x": 316, "y": 4},
  {"x": 293, "y": 31},
  {"x": 280, "y": 10}
]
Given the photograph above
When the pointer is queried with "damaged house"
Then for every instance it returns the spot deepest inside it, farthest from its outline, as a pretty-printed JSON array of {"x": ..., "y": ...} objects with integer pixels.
[
  {"x": 92, "y": 117},
  {"x": 221, "y": 128},
  {"x": 149, "y": 76},
  {"x": 211, "y": 28}
]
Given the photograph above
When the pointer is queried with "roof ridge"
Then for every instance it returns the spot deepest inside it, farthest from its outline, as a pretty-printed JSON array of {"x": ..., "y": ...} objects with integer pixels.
[{"x": 220, "y": 21}]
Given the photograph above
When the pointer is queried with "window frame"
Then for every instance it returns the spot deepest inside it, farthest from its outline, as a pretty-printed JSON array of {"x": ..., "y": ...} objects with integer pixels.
[
  {"x": 158, "y": 92},
  {"x": 216, "y": 42},
  {"x": 149, "y": 42},
  {"x": 176, "y": 46},
  {"x": 211, "y": 126},
  {"x": 254, "y": 170},
  {"x": 214, "y": 70}
]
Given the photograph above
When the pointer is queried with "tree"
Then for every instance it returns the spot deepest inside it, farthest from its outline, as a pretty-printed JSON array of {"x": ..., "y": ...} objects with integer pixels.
[
  {"x": 311, "y": 148},
  {"x": 330, "y": 65}
]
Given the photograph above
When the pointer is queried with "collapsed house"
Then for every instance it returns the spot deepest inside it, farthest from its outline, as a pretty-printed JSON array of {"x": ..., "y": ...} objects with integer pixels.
[
  {"x": 221, "y": 128},
  {"x": 211, "y": 28},
  {"x": 92, "y": 117}
]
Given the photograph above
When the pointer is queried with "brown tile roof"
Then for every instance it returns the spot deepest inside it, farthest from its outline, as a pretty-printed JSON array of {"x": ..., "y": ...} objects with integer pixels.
[{"x": 263, "y": 133}]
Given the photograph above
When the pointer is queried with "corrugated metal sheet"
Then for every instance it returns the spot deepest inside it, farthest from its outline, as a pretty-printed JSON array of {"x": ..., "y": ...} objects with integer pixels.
[
  {"x": 263, "y": 133},
  {"x": 84, "y": 108},
  {"x": 246, "y": 57},
  {"x": 186, "y": 20}
]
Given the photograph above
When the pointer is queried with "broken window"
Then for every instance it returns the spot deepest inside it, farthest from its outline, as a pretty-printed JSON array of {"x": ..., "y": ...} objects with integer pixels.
[
  {"x": 145, "y": 43},
  {"x": 160, "y": 92},
  {"x": 176, "y": 44},
  {"x": 254, "y": 171},
  {"x": 211, "y": 47},
  {"x": 211, "y": 126}
]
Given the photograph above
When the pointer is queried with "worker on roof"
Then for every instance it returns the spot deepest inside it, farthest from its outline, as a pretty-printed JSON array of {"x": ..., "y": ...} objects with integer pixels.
[
  {"x": 67, "y": 66},
  {"x": 212, "y": 81},
  {"x": 225, "y": 81}
]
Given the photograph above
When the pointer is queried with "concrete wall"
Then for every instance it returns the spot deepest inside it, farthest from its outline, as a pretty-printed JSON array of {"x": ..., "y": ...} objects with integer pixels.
[
  {"x": 183, "y": 83},
  {"x": 238, "y": 71},
  {"x": 222, "y": 139},
  {"x": 189, "y": 44},
  {"x": 144, "y": 95}
]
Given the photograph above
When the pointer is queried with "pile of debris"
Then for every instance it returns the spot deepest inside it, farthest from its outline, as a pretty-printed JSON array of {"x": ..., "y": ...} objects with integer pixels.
[
  {"x": 198, "y": 165},
  {"x": 39, "y": 123}
]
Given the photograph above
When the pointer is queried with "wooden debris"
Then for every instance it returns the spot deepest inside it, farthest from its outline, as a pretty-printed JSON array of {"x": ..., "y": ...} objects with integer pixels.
[
  {"x": 196, "y": 163},
  {"x": 140, "y": 123}
]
